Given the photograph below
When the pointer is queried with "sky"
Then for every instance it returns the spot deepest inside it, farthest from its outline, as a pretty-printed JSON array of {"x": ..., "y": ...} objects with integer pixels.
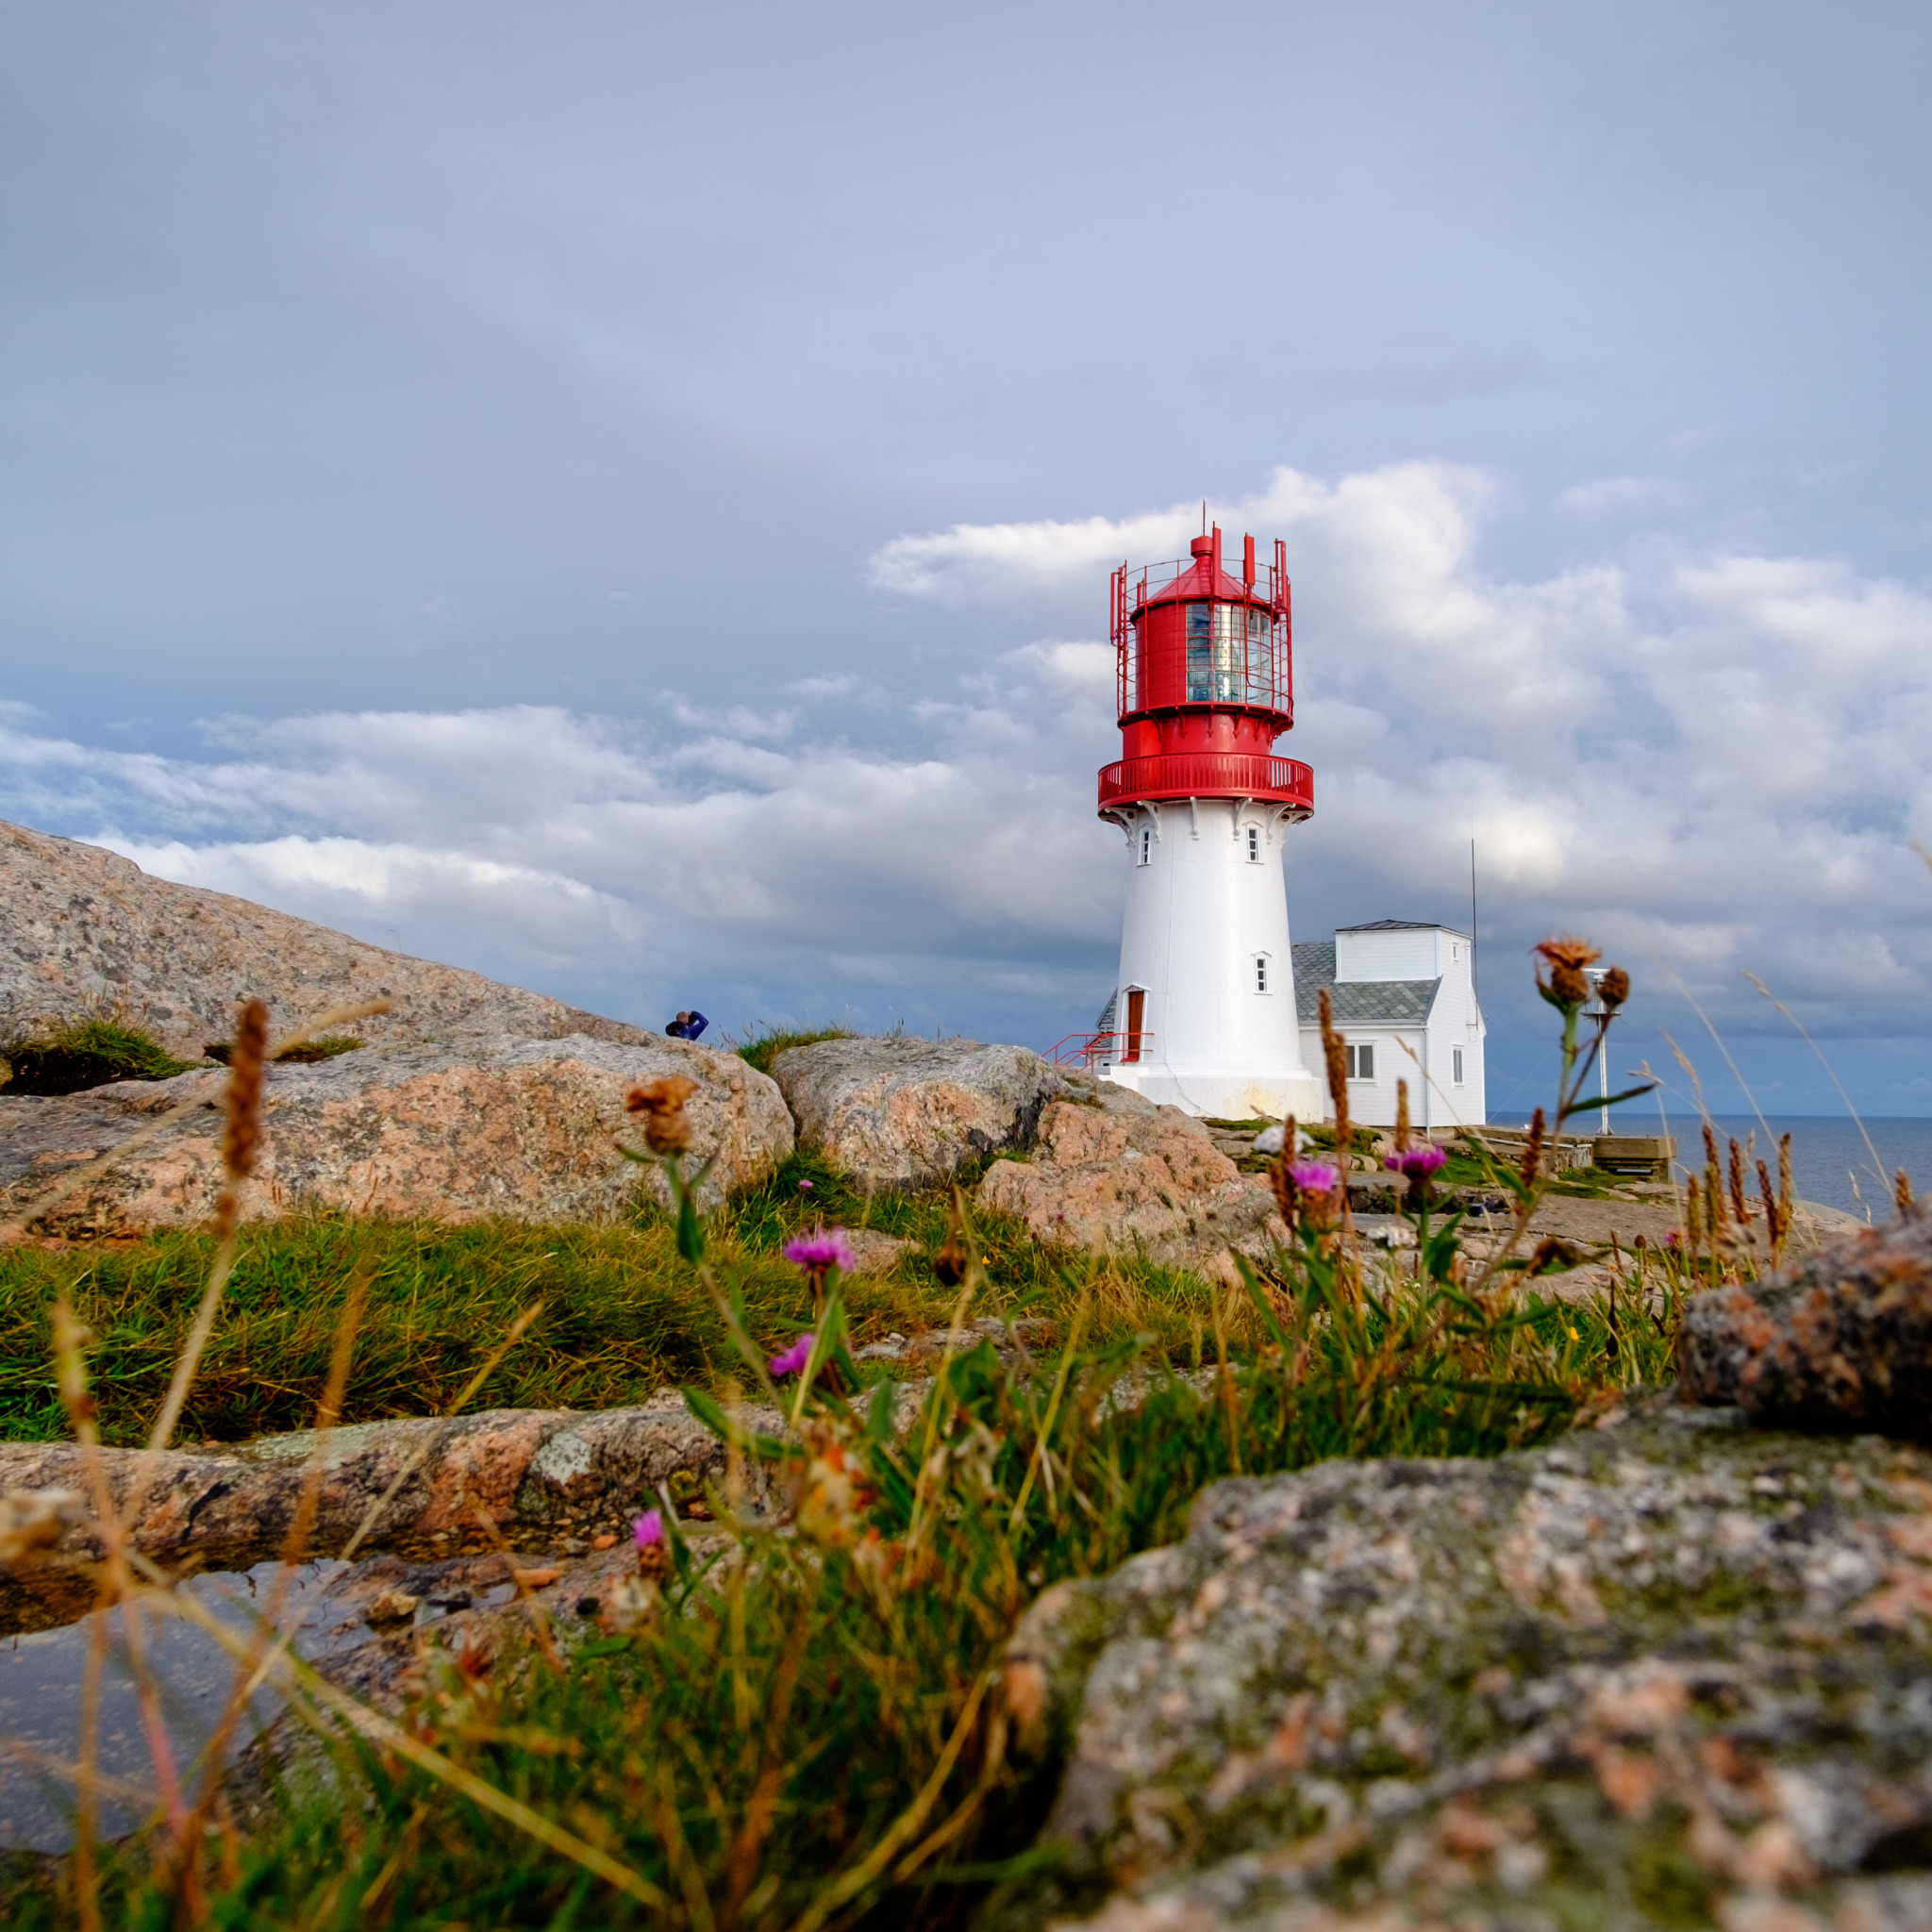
[{"x": 620, "y": 497}]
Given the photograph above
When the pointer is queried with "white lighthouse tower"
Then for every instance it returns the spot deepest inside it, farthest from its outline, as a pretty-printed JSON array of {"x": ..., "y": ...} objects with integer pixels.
[{"x": 1204, "y": 1011}]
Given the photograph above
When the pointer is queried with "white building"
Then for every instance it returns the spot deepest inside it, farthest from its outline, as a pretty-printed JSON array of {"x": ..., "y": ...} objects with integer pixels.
[{"x": 1404, "y": 999}]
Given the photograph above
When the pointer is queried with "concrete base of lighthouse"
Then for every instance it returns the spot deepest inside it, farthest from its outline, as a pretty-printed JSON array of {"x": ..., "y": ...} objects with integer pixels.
[
  {"x": 1226, "y": 1093},
  {"x": 1205, "y": 1010}
]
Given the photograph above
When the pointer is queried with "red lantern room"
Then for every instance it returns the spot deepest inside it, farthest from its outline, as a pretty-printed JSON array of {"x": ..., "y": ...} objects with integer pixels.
[{"x": 1206, "y": 683}]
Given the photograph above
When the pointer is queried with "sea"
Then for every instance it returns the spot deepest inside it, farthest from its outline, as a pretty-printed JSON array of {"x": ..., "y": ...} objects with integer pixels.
[{"x": 1836, "y": 1161}]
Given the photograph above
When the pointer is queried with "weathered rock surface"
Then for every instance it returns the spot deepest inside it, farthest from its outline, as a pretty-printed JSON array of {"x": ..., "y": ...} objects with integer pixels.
[
  {"x": 84, "y": 930},
  {"x": 539, "y": 1476},
  {"x": 454, "y": 1131},
  {"x": 1841, "y": 1339},
  {"x": 1117, "y": 1174},
  {"x": 1666, "y": 1671},
  {"x": 899, "y": 1113}
]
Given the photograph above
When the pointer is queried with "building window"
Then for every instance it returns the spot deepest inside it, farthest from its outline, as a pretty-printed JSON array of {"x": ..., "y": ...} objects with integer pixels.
[
  {"x": 1254, "y": 844},
  {"x": 1455, "y": 1065},
  {"x": 1260, "y": 971},
  {"x": 1146, "y": 844},
  {"x": 1361, "y": 1062}
]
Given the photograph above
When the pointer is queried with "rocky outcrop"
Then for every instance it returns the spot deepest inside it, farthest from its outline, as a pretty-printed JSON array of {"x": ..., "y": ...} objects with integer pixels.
[
  {"x": 902, "y": 1113},
  {"x": 540, "y": 1476},
  {"x": 86, "y": 931},
  {"x": 1113, "y": 1173},
  {"x": 1667, "y": 1671},
  {"x": 452, "y": 1132},
  {"x": 1841, "y": 1339}
]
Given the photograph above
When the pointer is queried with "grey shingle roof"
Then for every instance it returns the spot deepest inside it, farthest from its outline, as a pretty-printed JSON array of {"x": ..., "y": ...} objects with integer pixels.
[{"x": 1360, "y": 1002}]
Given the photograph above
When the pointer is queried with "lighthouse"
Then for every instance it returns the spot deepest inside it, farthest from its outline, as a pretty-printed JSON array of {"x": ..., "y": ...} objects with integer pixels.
[{"x": 1204, "y": 1014}]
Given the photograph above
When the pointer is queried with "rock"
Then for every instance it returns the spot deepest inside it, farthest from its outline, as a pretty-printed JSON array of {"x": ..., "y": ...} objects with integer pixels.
[
  {"x": 902, "y": 1113},
  {"x": 873, "y": 1252},
  {"x": 453, "y": 1132},
  {"x": 1119, "y": 1175},
  {"x": 1665, "y": 1669},
  {"x": 1839, "y": 1338},
  {"x": 88, "y": 931},
  {"x": 533, "y": 1472}
]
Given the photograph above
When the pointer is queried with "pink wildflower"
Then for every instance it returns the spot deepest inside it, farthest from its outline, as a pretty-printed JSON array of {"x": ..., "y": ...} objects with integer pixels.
[
  {"x": 1314, "y": 1176},
  {"x": 1417, "y": 1163},
  {"x": 650, "y": 1528},
  {"x": 795, "y": 1357},
  {"x": 825, "y": 1247}
]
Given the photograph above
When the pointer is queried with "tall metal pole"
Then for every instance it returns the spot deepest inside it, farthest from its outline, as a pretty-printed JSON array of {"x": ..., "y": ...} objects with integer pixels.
[{"x": 1474, "y": 986}]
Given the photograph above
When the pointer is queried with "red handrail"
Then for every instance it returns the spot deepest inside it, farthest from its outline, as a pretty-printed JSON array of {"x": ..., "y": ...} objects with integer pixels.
[
  {"x": 1096, "y": 1046},
  {"x": 1209, "y": 775}
]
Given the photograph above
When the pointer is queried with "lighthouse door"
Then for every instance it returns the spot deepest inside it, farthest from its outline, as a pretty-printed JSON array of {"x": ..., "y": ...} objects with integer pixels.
[{"x": 1137, "y": 1013}]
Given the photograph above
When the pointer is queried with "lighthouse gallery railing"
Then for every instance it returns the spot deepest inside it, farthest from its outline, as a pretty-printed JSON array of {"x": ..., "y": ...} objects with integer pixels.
[{"x": 1209, "y": 775}]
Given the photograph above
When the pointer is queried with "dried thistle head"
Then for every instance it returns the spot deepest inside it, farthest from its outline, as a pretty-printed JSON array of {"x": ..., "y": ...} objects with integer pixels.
[
  {"x": 241, "y": 1141},
  {"x": 1335, "y": 1061},
  {"x": 242, "y": 1137},
  {"x": 1567, "y": 957},
  {"x": 953, "y": 1257},
  {"x": 1283, "y": 1187},
  {"x": 661, "y": 1104},
  {"x": 1533, "y": 1149},
  {"x": 1613, "y": 989}
]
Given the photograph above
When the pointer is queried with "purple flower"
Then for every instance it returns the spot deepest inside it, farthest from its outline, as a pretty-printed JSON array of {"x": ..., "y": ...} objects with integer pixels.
[
  {"x": 804, "y": 1187},
  {"x": 1417, "y": 1163},
  {"x": 650, "y": 1528},
  {"x": 795, "y": 1357},
  {"x": 1313, "y": 1176},
  {"x": 826, "y": 1247}
]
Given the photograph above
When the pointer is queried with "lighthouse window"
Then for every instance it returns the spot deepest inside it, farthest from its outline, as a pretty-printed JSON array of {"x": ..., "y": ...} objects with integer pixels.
[
  {"x": 1455, "y": 1065},
  {"x": 1230, "y": 655},
  {"x": 1361, "y": 1062},
  {"x": 1260, "y": 971},
  {"x": 1254, "y": 844},
  {"x": 1146, "y": 844}
]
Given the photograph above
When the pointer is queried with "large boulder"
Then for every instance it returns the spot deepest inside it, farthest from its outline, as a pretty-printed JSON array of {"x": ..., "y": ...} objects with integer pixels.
[
  {"x": 1115, "y": 1174},
  {"x": 451, "y": 1132},
  {"x": 86, "y": 931},
  {"x": 897, "y": 1112},
  {"x": 1841, "y": 1339},
  {"x": 1668, "y": 1670}
]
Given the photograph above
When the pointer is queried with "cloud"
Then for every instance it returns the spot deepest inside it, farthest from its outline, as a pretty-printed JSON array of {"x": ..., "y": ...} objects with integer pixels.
[
  {"x": 1709, "y": 761},
  {"x": 1618, "y": 495}
]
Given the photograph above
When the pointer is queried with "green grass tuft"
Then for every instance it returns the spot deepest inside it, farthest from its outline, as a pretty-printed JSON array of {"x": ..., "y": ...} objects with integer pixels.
[
  {"x": 763, "y": 1048},
  {"x": 83, "y": 1054}
]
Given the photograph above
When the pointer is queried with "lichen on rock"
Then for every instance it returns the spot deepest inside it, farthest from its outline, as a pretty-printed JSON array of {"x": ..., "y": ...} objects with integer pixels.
[
  {"x": 1117, "y": 1175},
  {"x": 1666, "y": 1668},
  {"x": 899, "y": 1113},
  {"x": 1839, "y": 1338}
]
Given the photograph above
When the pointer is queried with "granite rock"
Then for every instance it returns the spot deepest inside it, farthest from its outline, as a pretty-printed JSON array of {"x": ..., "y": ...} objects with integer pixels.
[
  {"x": 452, "y": 1131},
  {"x": 1668, "y": 1670},
  {"x": 899, "y": 1113},
  {"x": 537, "y": 1476},
  {"x": 1113, "y": 1173},
  {"x": 86, "y": 931},
  {"x": 1839, "y": 1338}
]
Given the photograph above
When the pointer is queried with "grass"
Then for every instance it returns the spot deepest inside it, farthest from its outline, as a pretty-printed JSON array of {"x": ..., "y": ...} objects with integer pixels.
[
  {"x": 763, "y": 1048},
  {"x": 622, "y": 1315},
  {"x": 85, "y": 1053},
  {"x": 306, "y": 1053},
  {"x": 791, "y": 1709}
]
